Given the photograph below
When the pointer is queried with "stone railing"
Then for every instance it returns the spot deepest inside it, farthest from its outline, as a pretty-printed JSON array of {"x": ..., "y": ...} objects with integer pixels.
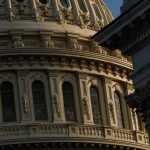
[{"x": 34, "y": 131}]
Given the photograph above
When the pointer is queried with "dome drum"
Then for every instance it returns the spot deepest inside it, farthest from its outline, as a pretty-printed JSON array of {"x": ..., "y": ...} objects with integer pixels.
[{"x": 59, "y": 89}]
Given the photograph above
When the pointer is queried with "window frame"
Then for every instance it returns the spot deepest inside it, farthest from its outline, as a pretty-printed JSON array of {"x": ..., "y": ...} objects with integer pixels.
[
  {"x": 98, "y": 96},
  {"x": 74, "y": 101},
  {"x": 33, "y": 76},
  {"x": 121, "y": 109},
  {"x": 13, "y": 81},
  {"x": 45, "y": 101}
]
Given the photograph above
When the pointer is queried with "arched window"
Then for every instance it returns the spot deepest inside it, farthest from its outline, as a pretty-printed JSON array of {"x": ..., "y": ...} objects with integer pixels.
[
  {"x": 69, "y": 105},
  {"x": 95, "y": 105},
  {"x": 82, "y": 5},
  {"x": 43, "y": 1},
  {"x": 19, "y": 1},
  {"x": 118, "y": 110},
  {"x": 64, "y": 3},
  {"x": 39, "y": 101},
  {"x": 8, "y": 102}
]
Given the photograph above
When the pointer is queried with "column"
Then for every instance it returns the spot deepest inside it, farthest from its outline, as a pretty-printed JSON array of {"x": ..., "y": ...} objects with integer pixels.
[
  {"x": 34, "y": 11},
  {"x": 10, "y": 10}
]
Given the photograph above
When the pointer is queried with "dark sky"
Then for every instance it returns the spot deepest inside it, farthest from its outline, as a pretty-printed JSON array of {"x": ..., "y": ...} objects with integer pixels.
[{"x": 114, "y": 6}]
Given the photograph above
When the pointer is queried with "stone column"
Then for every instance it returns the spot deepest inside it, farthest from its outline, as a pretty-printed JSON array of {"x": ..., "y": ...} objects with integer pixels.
[
  {"x": 23, "y": 96},
  {"x": 140, "y": 100},
  {"x": 128, "y": 91},
  {"x": 11, "y": 16},
  {"x": 34, "y": 10}
]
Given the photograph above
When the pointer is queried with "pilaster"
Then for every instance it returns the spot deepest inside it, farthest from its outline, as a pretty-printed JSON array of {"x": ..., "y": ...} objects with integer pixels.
[
  {"x": 85, "y": 99},
  {"x": 23, "y": 96},
  {"x": 55, "y": 95}
]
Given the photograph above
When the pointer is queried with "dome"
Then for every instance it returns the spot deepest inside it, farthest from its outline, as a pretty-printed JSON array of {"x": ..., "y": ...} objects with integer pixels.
[
  {"x": 59, "y": 89},
  {"x": 78, "y": 16}
]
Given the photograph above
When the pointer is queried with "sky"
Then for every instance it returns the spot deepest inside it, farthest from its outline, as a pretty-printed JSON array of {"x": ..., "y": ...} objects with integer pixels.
[{"x": 114, "y": 6}]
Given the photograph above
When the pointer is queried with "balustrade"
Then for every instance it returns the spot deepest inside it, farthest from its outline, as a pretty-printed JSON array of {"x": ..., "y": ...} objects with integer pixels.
[{"x": 57, "y": 130}]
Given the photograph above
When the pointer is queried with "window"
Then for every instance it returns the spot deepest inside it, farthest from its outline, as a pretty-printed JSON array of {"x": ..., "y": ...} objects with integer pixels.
[
  {"x": 8, "y": 102},
  {"x": 69, "y": 106},
  {"x": 95, "y": 105},
  {"x": 39, "y": 101},
  {"x": 43, "y": 1},
  {"x": 82, "y": 5},
  {"x": 19, "y": 1},
  {"x": 118, "y": 110},
  {"x": 64, "y": 3}
]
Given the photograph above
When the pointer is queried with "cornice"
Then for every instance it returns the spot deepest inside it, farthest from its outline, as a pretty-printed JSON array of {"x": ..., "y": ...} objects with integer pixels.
[
  {"x": 66, "y": 63},
  {"x": 121, "y": 22}
]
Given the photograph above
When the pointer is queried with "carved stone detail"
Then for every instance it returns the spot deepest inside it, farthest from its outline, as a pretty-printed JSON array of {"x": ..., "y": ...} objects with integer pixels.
[
  {"x": 25, "y": 103},
  {"x": 86, "y": 108},
  {"x": 56, "y": 104},
  {"x": 17, "y": 41},
  {"x": 46, "y": 41},
  {"x": 73, "y": 44}
]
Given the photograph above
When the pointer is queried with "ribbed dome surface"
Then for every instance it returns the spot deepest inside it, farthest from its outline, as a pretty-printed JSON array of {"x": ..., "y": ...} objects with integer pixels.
[{"x": 77, "y": 16}]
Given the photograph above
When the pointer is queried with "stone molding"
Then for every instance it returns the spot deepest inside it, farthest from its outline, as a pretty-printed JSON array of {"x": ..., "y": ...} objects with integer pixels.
[
  {"x": 49, "y": 62},
  {"x": 28, "y": 132},
  {"x": 70, "y": 14}
]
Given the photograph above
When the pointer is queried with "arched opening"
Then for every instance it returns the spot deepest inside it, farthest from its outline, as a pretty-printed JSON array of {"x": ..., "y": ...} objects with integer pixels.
[
  {"x": 39, "y": 101},
  {"x": 118, "y": 110},
  {"x": 64, "y": 3},
  {"x": 8, "y": 102},
  {"x": 43, "y": 1},
  {"x": 95, "y": 105},
  {"x": 69, "y": 105},
  {"x": 19, "y": 1}
]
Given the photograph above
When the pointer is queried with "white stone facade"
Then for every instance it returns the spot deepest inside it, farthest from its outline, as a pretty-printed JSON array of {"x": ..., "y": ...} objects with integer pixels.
[{"x": 48, "y": 42}]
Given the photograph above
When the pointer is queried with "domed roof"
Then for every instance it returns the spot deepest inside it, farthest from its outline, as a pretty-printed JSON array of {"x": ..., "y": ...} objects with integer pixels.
[{"x": 71, "y": 16}]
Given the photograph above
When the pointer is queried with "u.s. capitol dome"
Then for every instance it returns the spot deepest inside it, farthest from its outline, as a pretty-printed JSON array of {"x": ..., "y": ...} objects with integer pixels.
[{"x": 58, "y": 88}]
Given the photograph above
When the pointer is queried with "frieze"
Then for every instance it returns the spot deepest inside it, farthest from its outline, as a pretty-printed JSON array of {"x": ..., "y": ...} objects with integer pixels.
[
  {"x": 17, "y": 42},
  {"x": 46, "y": 61},
  {"x": 46, "y": 41}
]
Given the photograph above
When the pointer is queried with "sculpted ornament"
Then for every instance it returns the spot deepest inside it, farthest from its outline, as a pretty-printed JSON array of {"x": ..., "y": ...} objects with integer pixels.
[
  {"x": 56, "y": 104},
  {"x": 21, "y": 9},
  {"x": 46, "y": 42},
  {"x": 86, "y": 18},
  {"x": 25, "y": 103},
  {"x": 12, "y": 15},
  {"x": 117, "y": 53},
  {"x": 112, "y": 114},
  {"x": 73, "y": 44},
  {"x": 66, "y": 12},
  {"x": 95, "y": 47},
  {"x": 86, "y": 108},
  {"x": 17, "y": 42}
]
